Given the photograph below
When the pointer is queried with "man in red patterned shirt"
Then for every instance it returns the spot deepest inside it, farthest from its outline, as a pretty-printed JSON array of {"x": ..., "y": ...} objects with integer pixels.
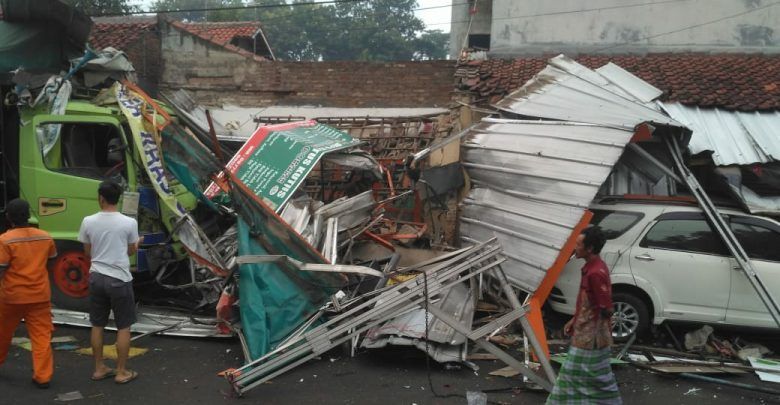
[{"x": 586, "y": 376}]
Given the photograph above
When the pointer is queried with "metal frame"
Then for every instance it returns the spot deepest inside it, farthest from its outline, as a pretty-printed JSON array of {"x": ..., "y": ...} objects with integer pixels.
[
  {"x": 288, "y": 261},
  {"x": 722, "y": 228},
  {"x": 361, "y": 315}
]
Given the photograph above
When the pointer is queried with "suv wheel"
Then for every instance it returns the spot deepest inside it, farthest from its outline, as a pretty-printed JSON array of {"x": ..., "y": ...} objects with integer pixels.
[{"x": 631, "y": 316}]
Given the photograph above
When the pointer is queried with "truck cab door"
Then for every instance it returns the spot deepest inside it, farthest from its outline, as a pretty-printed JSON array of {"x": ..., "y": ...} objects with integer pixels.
[{"x": 60, "y": 177}]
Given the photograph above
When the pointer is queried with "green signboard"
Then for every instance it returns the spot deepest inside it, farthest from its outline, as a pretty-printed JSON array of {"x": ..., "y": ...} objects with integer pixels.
[{"x": 276, "y": 159}]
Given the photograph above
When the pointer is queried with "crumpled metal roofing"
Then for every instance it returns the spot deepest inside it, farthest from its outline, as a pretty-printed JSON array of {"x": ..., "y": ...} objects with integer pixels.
[
  {"x": 535, "y": 179},
  {"x": 533, "y": 182},
  {"x": 735, "y": 138},
  {"x": 566, "y": 90}
]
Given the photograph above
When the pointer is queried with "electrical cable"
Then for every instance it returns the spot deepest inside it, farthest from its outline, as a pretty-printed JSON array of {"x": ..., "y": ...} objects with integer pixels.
[
  {"x": 335, "y": 2},
  {"x": 689, "y": 27},
  {"x": 252, "y": 7},
  {"x": 386, "y": 26}
]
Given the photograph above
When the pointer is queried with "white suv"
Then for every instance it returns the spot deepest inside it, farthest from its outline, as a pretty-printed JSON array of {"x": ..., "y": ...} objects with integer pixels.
[{"x": 666, "y": 263}]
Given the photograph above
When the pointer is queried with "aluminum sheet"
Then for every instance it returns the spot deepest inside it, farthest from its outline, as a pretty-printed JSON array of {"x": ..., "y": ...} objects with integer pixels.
[
  {"x": 533, "y": 181},
  {"x": 735, "y": 138},
  {"x": 625, "y": 80},
  {"x": 566, "y": 90}
]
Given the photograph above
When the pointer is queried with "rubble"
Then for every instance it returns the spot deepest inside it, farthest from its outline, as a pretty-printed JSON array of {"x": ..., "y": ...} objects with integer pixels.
[
  {"x": 697, "y": 339},
  {"x": 271, "y": 246}
]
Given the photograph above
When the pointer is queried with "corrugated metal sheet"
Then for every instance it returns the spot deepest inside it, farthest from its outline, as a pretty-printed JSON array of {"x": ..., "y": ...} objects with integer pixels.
[
  {"x": 533, "y": 181},
  {"x": 636, "y": 87},
  {"x": 735, "y": 138},
  {"x": 566, "y": 90}
]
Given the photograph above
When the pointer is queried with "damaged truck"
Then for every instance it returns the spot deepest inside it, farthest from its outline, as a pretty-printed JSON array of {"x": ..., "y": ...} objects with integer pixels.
[
  {"x": 60, "y": 139},
  {"x": 73, "y": 117}
]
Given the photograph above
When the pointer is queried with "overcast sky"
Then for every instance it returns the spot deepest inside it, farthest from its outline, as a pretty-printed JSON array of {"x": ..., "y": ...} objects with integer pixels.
[{"x": 437, "y": 18}]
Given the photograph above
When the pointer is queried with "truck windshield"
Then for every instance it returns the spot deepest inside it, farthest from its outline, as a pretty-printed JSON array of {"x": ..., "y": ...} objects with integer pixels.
[{"x": 86, "y": 150}]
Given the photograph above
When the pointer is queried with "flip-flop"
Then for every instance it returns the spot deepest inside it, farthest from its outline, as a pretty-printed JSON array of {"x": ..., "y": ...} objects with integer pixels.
[
  {"x": 133, "y": 376},
  {"x": 109, "y": 373}
]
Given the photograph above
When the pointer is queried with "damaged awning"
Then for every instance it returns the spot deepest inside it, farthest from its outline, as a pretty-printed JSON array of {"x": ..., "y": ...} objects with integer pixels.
[
  {"x": 744, "y": 145},
  {"x": 533, "y": 180},
  {"x": 566, "y": 90},
  {"x": 733, "y": 137}
]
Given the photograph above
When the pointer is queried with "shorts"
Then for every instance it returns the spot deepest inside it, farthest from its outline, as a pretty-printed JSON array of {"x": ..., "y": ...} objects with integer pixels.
[{"x": 107, "y": 294}]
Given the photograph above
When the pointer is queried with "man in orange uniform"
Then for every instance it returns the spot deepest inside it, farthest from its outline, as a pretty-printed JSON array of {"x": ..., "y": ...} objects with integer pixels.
[{"x": 24, "y": 289}]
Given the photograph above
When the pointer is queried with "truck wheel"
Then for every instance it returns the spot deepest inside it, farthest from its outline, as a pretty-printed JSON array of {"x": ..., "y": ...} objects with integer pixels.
[
  {"x": 631, "y": 316},
  {"x": 69, "y": 277}
]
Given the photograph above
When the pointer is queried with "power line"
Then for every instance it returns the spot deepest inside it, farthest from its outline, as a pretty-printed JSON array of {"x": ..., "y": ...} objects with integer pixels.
[
  {"x": 247, "y": 7},
  {"x": 550, "y": 13},
  {"x": 391, "y": 26},
  {"x": 264, "y": 6},
  {"x": 689, "y": 27},
  {"x": 386, "y": 26}
]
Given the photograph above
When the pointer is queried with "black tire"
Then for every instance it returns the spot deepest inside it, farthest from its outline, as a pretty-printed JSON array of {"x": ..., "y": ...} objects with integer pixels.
[
  {"x": 632, "y": 316},
  {"x": 74, "y": 298}
]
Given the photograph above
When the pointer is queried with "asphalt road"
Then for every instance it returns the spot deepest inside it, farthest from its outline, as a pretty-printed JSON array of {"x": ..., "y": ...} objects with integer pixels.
[{"x": 181, "y": 370}]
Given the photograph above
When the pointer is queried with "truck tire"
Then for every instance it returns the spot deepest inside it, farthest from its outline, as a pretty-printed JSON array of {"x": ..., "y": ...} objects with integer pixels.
[
  {"x": 69, "y": 277},
  {"x": 631, "y": 317}
]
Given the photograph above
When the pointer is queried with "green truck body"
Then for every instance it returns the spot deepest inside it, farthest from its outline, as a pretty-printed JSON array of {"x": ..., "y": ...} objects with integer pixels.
[{"x": 61, "y": 186}]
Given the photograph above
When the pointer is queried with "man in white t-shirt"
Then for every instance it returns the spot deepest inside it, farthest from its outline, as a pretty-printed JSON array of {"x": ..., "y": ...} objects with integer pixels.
[{"x": 109, "y": 238}]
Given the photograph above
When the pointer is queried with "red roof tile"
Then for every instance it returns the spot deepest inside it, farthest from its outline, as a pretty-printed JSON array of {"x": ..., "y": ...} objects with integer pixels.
[
  {"x": 118, "y": 35},
  {"x": 730, "y": 81},
  {"x": 222, "y": 33}
]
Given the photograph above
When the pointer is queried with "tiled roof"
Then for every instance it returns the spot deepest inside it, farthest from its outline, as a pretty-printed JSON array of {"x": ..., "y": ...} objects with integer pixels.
[
  {"x": 729, "y": 81},
  {"x": 118, "y": 34},
  {"x": 221, "y": 33}
]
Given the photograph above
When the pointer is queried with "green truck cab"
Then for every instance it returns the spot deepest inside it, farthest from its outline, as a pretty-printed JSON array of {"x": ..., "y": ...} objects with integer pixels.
[{"x": 94, "y": 144}]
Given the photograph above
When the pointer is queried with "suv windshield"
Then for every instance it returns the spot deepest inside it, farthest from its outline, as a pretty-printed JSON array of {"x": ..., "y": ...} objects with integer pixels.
[{"x": 614, "y": 223}]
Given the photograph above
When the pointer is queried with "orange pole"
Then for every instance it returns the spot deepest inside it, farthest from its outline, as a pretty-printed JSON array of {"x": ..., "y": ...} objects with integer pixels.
[{"x": 543, "y": 291}]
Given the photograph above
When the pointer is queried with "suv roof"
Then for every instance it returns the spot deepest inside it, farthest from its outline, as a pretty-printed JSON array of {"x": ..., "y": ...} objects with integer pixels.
[
  {"x": 656, "y": 208},
  {"x": 662, "y": 200}
]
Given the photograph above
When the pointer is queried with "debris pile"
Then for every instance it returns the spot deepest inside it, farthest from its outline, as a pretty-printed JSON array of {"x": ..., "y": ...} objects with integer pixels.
[{"x": 354, "y": 232}]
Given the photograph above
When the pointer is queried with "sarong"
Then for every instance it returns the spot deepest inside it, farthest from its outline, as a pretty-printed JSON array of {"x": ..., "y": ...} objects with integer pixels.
[{"x": 586, "y": 378}]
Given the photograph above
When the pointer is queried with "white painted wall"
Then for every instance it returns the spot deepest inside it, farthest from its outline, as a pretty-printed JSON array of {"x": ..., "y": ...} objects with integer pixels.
[{"x": 544, "y": 26}]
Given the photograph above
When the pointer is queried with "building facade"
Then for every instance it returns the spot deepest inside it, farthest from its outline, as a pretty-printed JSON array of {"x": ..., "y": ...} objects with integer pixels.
[{"x": 534, "y": 27}]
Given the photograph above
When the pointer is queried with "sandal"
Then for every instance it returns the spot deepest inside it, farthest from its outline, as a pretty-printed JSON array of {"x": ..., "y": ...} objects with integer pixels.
[
  {"x": 110, "y": 373},
  {"x": 133, "y": 376}
]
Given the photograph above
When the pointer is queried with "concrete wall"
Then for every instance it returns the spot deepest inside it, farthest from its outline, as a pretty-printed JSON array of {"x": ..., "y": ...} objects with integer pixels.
[
  {"x": 539, "y": 26},
  {"x": 216, "y": 76},
  {"x": 195, "y": 64},
  {"x": 480, "y": 24}
]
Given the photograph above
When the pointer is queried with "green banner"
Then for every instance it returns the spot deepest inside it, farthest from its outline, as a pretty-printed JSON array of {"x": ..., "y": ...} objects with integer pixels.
[{"x": 276, "y": 159}]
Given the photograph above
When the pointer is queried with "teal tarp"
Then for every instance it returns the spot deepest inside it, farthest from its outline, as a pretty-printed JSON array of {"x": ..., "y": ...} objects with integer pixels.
[
  {"x": 272, "y": 301},
  {"x": 34, "y": 47},
  {"x": 188, "y": 161}
]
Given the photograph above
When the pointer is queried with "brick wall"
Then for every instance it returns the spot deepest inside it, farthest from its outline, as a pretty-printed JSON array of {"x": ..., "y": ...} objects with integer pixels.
[
  {"x": 216, "y": 75},
  {"x": 145, "y": 54}
]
